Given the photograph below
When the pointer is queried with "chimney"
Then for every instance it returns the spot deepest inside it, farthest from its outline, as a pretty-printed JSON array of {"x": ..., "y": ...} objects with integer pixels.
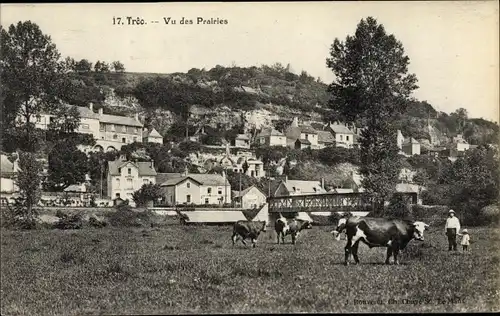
[
  {"x": 136, "y": 115},
  {"x": 100, "y": 111},
  {"x": 91, "y": 106},
  {"x": 152, "y": 164},
  {"x": 323, "y": 183},
  {"x": 185, "y": 173}
]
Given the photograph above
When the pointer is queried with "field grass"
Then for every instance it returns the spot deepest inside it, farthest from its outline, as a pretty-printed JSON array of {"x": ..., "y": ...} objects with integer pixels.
[{"x": 176, "y": 269}]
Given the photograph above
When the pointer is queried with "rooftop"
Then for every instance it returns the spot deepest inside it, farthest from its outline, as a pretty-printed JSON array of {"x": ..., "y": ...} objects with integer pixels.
[
  {"x": 201, "y": 178},
  {"x": 339, "y": 128},
  {"x": 145, "y": 168},
  {"x": 303, "y": 186}
]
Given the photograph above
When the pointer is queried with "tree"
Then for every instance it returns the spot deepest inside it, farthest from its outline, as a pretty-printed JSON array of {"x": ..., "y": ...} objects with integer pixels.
[
  {"x": 148, "y": 192},
  {"x": 28, "y": 180},
  {"x": 117, "y": 66},
  {"x": 67, "y": 165},
  {"x": 69, "y": 64},
  {"x": 31, "y": 74},
  {"x": 83, "y": 66},
  {"x": 372, "y": 84},
  {"x": 101, "y": 66}
]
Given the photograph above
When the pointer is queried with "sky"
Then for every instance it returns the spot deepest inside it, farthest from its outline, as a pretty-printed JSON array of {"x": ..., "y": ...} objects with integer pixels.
[{"x": 453, "y": 46}]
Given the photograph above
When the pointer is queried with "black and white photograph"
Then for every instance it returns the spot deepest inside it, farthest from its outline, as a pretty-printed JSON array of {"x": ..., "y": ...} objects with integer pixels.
[{"x": 249, "y": 157}]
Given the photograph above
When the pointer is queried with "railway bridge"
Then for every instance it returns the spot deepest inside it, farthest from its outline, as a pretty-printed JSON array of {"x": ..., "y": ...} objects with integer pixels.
[{"x": 326, "y": 202}]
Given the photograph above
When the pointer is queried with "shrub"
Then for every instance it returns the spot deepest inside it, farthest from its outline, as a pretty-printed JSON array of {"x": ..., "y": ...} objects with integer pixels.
[
  {"x": 125, "y": 216},
  {"x": 13, "y": 217},
  {"x": 94, "y": 222},
  {"x": 65, "y": 221},
  {"x": 490, "y": 214}
]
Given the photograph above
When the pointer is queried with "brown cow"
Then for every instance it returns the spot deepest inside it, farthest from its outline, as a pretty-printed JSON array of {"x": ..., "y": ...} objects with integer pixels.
[{"x": 248, "y": 229}]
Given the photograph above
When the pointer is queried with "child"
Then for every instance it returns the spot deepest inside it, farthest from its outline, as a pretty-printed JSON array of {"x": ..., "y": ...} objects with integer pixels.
[{"x": 465, "y": 240}]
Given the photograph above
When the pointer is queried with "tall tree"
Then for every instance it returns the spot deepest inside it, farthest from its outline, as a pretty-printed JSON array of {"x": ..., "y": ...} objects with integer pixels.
[
  {"x": 28, "y": 180},
  {"x": 67, "y": 165},
  {"x": 372, "y": 84},
  {"x": 31, "y": 74},
  {"x": 83, "y": 66}
]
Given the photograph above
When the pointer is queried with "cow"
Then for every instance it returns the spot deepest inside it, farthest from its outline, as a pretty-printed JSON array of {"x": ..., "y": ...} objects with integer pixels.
[
  {"x": 341, "y": 225},
  {"x": 248, "y": 229},
  {"x": 395, "y": 234},
  {"x": 291, "y": 227}
]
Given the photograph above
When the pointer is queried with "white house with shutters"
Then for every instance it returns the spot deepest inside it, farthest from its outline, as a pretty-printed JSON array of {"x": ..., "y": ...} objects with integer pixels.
[{"x": 125, "y": 177}]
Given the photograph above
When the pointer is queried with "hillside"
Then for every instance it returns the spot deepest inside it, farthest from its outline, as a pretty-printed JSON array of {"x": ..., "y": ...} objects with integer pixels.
[{"x": 254, "y": 97}]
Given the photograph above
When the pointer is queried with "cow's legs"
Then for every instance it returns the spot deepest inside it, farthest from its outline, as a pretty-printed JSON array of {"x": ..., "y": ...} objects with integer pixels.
[
  {"x": 389, "y": 254},
  {"x": 294, "y": 236},
  {"x": 395, "y": 254},
  {"x": 235, "y": 237},
  {"x": 254, "y": 242},
  {"x": 278, "y": 237},
  {"x": 282, "y": 238},
  {"x": 347, "y": 250},
  {"x": 354, "y": 250}
]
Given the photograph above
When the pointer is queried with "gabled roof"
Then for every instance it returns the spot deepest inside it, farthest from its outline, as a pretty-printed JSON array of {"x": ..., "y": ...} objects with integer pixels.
[
  {"x": 154, "y": 133},
  {"x": 269, "y": 131},
  {"x": 304, "y": 141},
  {"x": 339, "y": 128},
  {"x": 163, "y": 177},
  {"x": 119, "y": 120},
  {"x": 305, "y": 187},
  {"x": 307, "y": 129},
  {"x": 144, "y": 167},
  {"x": 242, "y": 136},
  {"x": 325, "y": 137},
  {"x": 87, "y": 113},
  {"x": 201, "y": 178},
  {"x": 243, "y": 192},
  {"x": 411, "y": 140}
]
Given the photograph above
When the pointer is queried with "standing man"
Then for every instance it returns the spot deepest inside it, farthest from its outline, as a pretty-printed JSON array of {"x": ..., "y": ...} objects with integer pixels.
[{"x": 452, "y": 228}]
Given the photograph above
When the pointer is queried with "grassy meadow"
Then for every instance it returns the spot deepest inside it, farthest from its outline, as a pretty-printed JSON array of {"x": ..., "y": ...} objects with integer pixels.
[{"x": 185, "y": 269}]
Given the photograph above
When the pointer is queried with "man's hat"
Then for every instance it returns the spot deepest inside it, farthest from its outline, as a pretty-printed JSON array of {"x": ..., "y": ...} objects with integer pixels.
[
  {"x": 451, "y": 211},
  {"x": 465, "y": 230}
]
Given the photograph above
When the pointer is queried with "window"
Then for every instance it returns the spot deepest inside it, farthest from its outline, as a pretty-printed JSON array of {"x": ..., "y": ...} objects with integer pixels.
[
  {"x": 84, "y": 126},
  {"x": 124, "y": 140},
  {"x": 115, "y": 136},
  {"x": 111, "y": 127},
  {"x": 129, "y": 171},
  {"x": 341, "y": 137},
  {"x": 219, "y": 191},
  {"x": 101, "y": 127},
  {"x": 209, "y": 190},
  {"x": 117, "y": 183},
  {"x": 117, "y": 195},
  {"x": 38, "y": 119},
  {"x": 119, "y": 171},
  {"x": 137, "y": 130},
  {"x": 206, "y": 200},
  {"x": 129, "y": 184},
  {"x": 188, "y": 185},
  {"x": 145, "y": 181},
  {"x": 347, "y": 137},
  {"x": 307, "y": 136},
  {"x": 188, "y": 198}
]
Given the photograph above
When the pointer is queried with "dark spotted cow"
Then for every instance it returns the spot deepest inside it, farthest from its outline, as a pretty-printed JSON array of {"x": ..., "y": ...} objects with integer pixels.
[
  {"x": 291, "y": 227},
  {"x": 248, "y": 230},
  {"x": 395, "y": 234}
]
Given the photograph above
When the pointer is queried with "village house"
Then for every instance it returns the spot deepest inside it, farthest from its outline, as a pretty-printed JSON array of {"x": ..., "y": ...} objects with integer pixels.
[
  {"x": 242, "y": 141},
  {"x": 343, "y": 136},
  {"x": 271, "y": 137},
  {"x": 152, "y": 136},
  {"x": 325, "y": 139},
  {"x": 458, "y": 146},
  {"x": 197, "y": 189},
  {"x": 301, "y": 136},
  {"x": 111, "y": 132},
  {"x": 125, "y": 177},
  {"x": 299, "y": 187},
  {"x": 411, "y": 147},
  {"x": 8, "y": 171},
  {"x": 250, "y": 198}
]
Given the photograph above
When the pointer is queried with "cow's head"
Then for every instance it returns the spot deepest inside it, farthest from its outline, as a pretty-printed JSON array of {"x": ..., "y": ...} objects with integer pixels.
[
  {"x": 419, "y": 228},
  {"x": 306, "y": 224},
  {"x": 340, "y": 226}
]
